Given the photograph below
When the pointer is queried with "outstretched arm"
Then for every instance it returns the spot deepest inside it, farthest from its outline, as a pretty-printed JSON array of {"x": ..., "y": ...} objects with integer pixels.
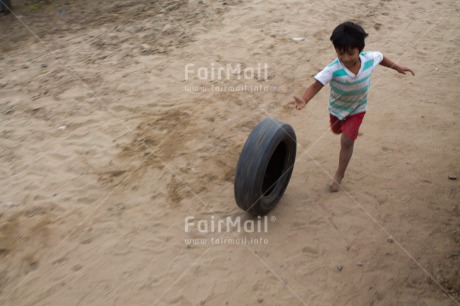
[
  {"x": 386, "y": 62},
  {"x": 310, "y": 92}
]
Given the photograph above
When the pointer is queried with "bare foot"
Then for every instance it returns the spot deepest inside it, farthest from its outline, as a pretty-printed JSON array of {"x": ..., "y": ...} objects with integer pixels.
[{"x": 334, "y": 186}]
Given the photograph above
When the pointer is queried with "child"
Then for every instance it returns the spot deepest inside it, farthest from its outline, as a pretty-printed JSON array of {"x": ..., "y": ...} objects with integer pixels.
[{"x": 349, "y": 78}]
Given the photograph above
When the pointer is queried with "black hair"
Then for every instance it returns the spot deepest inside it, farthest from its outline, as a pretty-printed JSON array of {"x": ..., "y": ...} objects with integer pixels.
[{"x": 348, "y": 35}]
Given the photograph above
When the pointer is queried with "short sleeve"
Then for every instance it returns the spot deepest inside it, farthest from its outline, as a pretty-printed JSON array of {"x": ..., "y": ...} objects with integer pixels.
[
  {"x": 377, "y": 56},
  {"x": 324, "y": 76}
]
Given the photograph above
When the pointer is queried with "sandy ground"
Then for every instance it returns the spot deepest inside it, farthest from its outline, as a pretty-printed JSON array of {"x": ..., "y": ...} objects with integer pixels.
[{"x": 106, "y": 147}]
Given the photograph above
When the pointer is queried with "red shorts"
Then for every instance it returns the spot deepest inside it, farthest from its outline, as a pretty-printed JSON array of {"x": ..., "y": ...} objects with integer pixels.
[{"x": 349, "y": 126}]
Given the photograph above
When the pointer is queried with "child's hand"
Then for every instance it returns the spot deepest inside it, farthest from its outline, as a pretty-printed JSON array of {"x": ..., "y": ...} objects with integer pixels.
[
  {"x": 298, "y": 103},
  {"x": 403, "y": 70}
]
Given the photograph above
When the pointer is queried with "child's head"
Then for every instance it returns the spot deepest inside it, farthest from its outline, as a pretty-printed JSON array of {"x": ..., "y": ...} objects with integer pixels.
[{"x": 348, "y": 36}]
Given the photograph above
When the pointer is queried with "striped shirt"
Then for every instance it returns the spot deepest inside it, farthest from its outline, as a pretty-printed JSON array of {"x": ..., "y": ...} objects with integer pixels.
[{"x": 349, "y": 91}]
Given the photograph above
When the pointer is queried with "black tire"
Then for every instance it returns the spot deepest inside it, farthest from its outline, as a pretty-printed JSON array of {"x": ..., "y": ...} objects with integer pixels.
[
  {"x": 5, "y": 7},
  {"x": 265, "y": 166}
]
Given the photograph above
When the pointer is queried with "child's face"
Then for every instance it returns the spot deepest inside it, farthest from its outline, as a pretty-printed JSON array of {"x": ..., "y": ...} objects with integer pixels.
[{"x": 348, "y": 57}]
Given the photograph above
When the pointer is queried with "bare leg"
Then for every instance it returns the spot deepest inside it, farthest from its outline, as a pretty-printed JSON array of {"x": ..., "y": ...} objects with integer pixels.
[{"x": 346, "y": 151}]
